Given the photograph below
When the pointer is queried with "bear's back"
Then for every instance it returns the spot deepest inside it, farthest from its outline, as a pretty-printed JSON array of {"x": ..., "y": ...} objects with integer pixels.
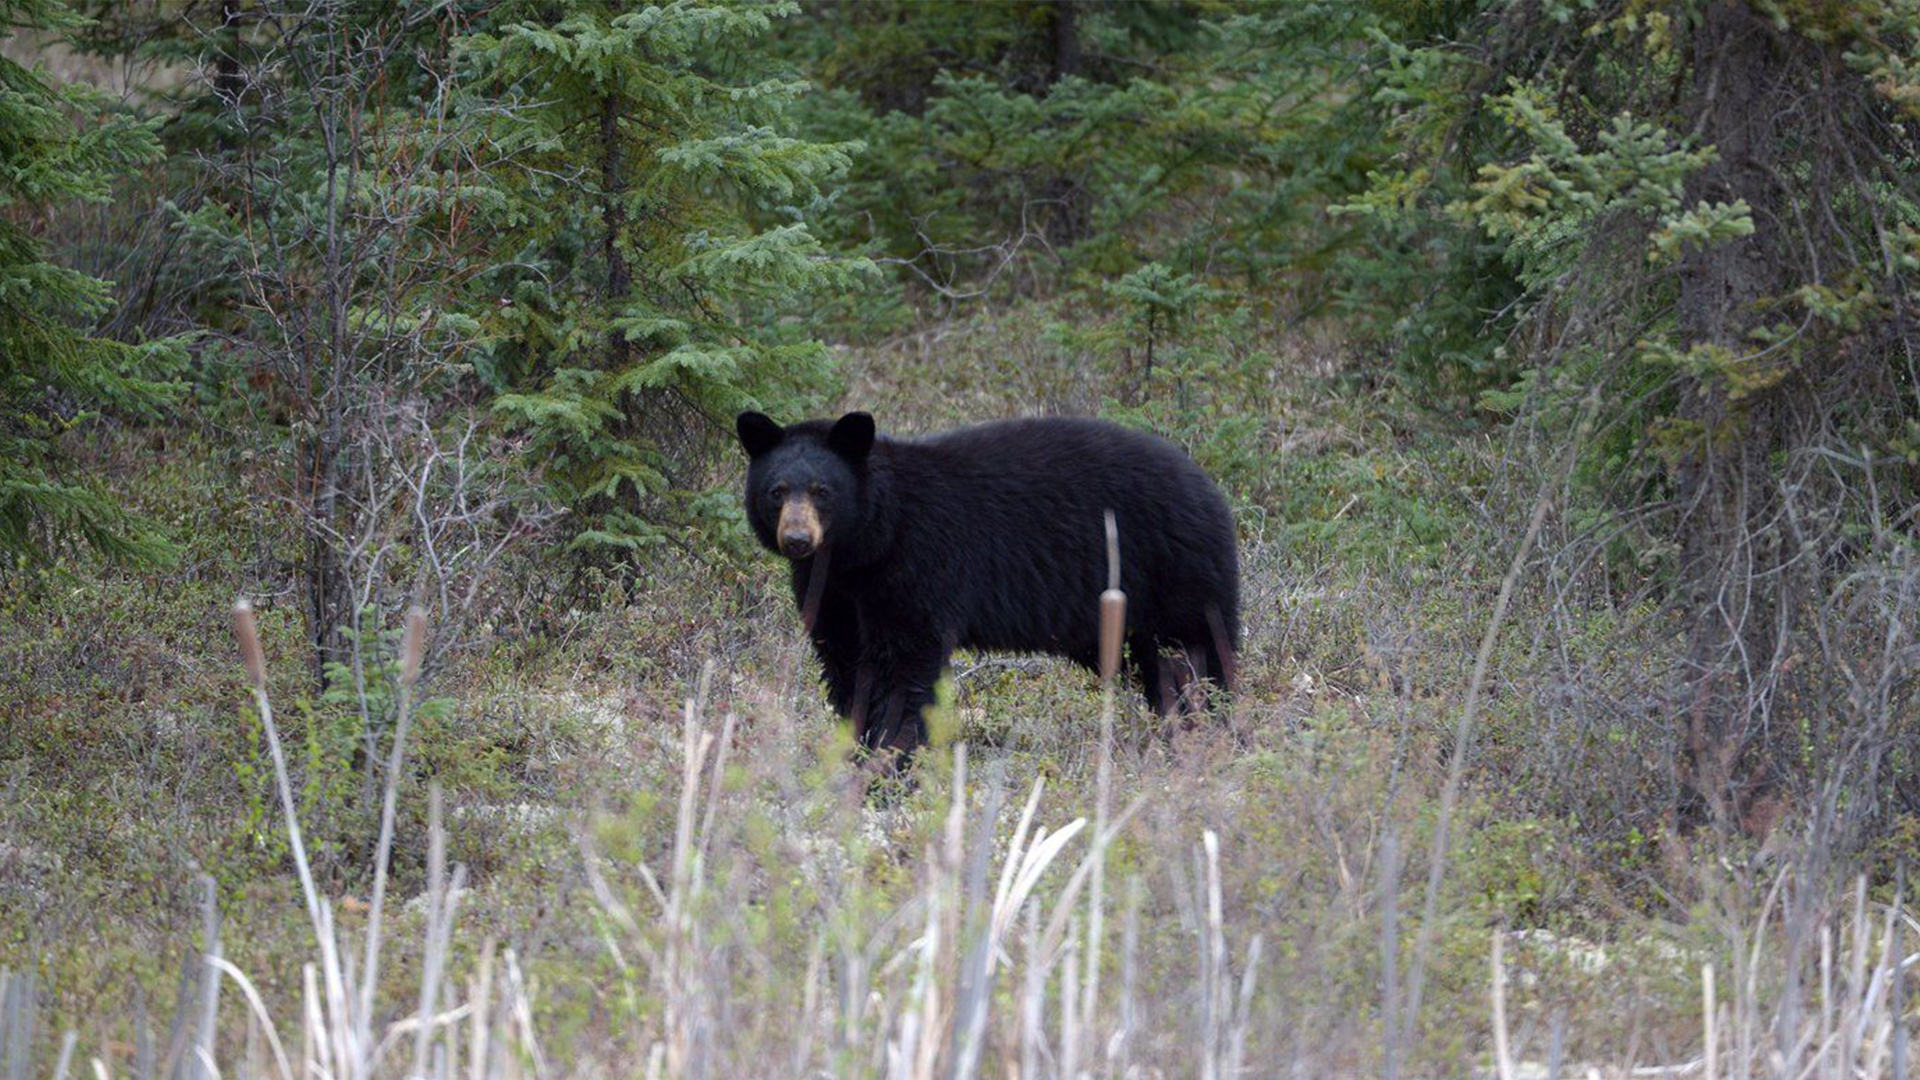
[
  {"x": 1046, "y": 444},
  {"x": 1004, "y": 520}
]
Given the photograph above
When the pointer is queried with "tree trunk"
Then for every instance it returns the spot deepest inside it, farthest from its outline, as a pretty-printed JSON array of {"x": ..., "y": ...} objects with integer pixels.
[
  {"x": 328, "y": 373},
  {"x": 1723, "y": 486},
  {"x": 613, "y": 209},
  {"x": 228, "y": 80},
  {"x": 328, "y": 599},
  {"x": 1064, "y": 200},
  {"x": 1065, "y": 30}
]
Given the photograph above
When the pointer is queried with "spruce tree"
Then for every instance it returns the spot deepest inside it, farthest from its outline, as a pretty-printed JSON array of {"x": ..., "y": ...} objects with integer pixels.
[
  {"x": 59, "y": 143},
  {"x": 1070, "y": 131},
  {"x": 655, "y": 243},
  {"x": 1711, "y": 219}
]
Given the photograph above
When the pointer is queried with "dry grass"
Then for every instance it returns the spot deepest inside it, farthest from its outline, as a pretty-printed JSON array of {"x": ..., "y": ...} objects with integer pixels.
[{"x": 1121, "y": 919}]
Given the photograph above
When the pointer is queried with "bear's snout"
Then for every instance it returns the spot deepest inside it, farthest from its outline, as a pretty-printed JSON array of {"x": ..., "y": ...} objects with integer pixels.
[{"x": 799, "y": 530}]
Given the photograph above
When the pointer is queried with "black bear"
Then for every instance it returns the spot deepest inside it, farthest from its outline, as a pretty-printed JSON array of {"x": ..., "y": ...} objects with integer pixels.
[{"x": 990, "y": 537}]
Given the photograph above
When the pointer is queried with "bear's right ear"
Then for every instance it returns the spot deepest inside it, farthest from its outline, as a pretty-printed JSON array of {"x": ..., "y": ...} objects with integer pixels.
[
  {"x": 758, "y": 433},
  {"x": 852, "y": 436}
]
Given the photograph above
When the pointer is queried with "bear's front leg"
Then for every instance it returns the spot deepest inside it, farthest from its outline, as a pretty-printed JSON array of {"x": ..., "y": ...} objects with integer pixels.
[
  {"x": 832, "y": 623},
  {"x": 836, "y": 641},
  {"x": 904, "y": 674}
]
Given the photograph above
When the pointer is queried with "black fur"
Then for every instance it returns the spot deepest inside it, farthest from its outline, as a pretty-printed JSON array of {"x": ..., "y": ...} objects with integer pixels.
[{"x": 993, "y": 538}]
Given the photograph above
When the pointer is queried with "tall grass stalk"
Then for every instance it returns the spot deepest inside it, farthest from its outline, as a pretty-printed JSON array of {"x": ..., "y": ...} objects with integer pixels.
[
  {"x": 991, "y": 958},
  {"x": 342, "y": 1034}
]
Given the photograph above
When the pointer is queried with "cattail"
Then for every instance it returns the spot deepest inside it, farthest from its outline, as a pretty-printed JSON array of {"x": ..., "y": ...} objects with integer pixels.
[
  {"x": 412, "y": 643},
  {"x": 1113, "y": 618},
  {"x": 248, "y": 632}
]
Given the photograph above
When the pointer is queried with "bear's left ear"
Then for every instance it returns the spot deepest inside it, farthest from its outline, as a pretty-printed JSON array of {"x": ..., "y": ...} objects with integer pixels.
[
  {"x": 852, "y": 436},
  {"x": 758, "y": 433}
]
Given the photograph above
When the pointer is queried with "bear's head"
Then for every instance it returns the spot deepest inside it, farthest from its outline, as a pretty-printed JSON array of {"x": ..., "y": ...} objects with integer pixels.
[{"x": 804, "y": 481}]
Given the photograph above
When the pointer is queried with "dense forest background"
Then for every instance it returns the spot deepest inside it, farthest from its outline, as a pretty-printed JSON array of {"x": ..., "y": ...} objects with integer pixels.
[{"x": 1558, "y": 357}]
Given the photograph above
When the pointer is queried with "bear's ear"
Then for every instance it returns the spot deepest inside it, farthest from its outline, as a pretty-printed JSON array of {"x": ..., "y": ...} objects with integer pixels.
[
  {"x": 852, "y": 436},
  {"x": 758, "y": 434}
]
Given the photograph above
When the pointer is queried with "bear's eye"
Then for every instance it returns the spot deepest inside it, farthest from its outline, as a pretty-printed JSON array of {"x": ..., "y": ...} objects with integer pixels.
[
  {"x": 818, "y": 491},
  {"x": 778, "y": 493}
]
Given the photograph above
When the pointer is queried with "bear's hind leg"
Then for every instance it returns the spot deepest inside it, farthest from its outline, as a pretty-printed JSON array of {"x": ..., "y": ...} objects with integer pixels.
[
  {"x": 1223, "y": 656},
  {"x": 1201, "y": 674},
  {"x": 1150, "y": 669}
]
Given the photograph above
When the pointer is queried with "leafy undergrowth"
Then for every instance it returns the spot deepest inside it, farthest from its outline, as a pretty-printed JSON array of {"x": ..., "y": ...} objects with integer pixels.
[{"x": 668, "y": 866}]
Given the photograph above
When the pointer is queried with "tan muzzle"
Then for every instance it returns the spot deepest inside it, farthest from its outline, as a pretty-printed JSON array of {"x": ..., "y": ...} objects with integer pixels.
[{"x": 799, "y": 531}]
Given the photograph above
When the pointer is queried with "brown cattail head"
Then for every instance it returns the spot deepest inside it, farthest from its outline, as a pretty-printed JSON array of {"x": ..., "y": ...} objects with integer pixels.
[
  {"x": 245, "y": 629},
  {"x": 1113, "y": 621},
  {"x": 412, "y": 643}
]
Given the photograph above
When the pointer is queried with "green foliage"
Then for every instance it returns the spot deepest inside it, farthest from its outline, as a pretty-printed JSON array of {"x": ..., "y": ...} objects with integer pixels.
[
  {"x": 339, "y": 741},
  {"x": 61, "y": 143},
  {"x": 1546, "y": 206},
  {"x": 1160, "y": 299},
  {"x": 1037, "y": 135},
  {"x": 1369, "y": 129},
  {"x": 1555, "y": 163},
  {"x": 1517, "y": 869},
  {"x": 627, "y": 323}
]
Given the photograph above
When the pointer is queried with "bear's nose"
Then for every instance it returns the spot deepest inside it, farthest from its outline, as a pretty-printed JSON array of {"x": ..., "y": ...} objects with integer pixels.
[{"x": 796, "y": 545}]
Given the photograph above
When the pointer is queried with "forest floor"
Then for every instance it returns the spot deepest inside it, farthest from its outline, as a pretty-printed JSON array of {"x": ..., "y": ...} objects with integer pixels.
[{"x": 1268, "y": 900}]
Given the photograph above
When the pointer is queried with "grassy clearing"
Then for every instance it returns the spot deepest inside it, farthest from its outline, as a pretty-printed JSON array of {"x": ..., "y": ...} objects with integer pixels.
[{"x": 648, "y": 856}]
